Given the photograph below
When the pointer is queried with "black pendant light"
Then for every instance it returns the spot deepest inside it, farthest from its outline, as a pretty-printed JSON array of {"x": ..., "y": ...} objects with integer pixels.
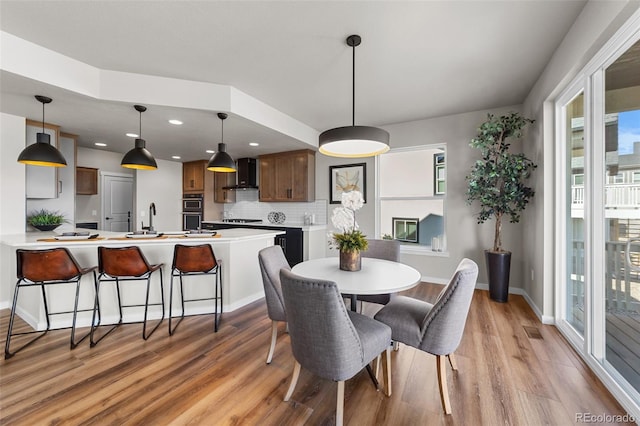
[
  {"x": 354, "y": 141},
  {"x": 42, "y": 153},
  {"x": 139, "y": 157},
  {"x": 221, "y": 161}
]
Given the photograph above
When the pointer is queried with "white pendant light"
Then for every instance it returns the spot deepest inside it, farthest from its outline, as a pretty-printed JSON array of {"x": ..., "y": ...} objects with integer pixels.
[{"x": 354, "y": 141}]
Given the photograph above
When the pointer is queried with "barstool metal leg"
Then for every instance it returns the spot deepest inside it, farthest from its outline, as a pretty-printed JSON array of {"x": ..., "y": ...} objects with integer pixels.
[
  {"x": 7, "y": 347},
  {"x": 146, "y": 307},
  {"x": 96, "y": 307}
]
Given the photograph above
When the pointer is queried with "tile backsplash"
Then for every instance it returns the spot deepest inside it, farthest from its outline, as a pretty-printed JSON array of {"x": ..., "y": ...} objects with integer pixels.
[{"x": 247, "y": 206}]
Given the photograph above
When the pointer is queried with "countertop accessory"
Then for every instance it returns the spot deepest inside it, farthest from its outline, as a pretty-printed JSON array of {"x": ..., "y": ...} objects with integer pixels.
[
  {"x": 276, "y": 217},
  {"x": 221, "y": 161},
  {"x": 201, "y": 234},
  {"x": 139, "y": 157},
  {"x": 42, "y": 153},
  {"x": 354, "y": 141},
  {"x": 141, "y": 235}
]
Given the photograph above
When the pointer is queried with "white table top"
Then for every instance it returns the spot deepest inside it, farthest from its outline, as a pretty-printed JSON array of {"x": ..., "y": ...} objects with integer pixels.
[{"x": 376, "y": 276}]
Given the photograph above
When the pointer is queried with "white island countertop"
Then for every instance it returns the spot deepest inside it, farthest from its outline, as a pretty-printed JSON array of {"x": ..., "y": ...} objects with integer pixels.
[{"x": 34, "y": 239}]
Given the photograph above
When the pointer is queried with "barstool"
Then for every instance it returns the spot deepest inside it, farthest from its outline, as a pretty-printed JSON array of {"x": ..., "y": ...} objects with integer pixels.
[
  {"x": 42, "y": 268},
  {"x": 195, "y": 260},
  {"x": 117, "y": 264}
]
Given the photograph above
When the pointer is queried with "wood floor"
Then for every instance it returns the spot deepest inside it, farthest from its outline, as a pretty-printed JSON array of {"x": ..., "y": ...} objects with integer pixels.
[{"x": 505, "y": 376}]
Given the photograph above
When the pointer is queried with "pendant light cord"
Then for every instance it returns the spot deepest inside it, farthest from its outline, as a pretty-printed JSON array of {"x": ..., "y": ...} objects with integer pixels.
[
  {"x": 140, "y": 136},
  {"x": 353, "y": 88},
  {"x": 43, "y": 117},
  {"x": 222, "y": 132}
]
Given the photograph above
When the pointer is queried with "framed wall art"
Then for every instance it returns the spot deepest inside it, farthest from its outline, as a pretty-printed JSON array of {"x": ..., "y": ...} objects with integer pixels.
[{"x": 345, "y": 178}]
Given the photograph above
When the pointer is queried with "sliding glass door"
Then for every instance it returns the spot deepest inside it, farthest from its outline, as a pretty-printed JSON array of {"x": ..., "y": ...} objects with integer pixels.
[{"x": 621, "y": 221}]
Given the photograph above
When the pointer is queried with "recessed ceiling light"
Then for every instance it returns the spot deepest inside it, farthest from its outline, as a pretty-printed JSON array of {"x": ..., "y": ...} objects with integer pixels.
[
  {"x": 254, "y": 144},
  {"x": 176, "y": 122},
  {"x": 209, "y": 151},
  {"x": 175, "y": 157},
  {"x": 133, "y": 135},
  {"x": 100, "y": 144}
]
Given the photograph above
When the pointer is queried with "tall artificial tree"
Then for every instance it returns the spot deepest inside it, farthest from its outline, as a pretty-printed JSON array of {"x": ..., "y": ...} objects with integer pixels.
[{"x": 497, "y": 180}]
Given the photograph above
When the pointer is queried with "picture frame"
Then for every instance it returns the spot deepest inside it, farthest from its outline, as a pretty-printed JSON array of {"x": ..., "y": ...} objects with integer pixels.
[{"x": 345, "y": 178}]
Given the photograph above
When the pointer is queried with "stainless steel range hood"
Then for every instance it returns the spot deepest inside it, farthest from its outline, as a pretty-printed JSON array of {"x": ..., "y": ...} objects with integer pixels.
[{"x": 246, "y": 175}]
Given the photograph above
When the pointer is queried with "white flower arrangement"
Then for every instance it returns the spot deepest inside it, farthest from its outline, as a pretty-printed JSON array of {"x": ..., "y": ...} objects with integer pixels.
[{"x": 349, "y": 237}]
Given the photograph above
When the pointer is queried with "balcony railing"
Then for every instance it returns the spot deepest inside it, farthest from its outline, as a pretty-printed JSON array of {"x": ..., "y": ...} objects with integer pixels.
[{"x": 616, "y": 195}]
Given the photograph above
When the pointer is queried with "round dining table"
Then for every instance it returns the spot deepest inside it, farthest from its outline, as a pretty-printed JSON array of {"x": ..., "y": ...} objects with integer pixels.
[{"x": 376, "y": 276}]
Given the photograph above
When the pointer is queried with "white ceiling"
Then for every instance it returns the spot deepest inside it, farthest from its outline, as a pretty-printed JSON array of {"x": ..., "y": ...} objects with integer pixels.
[{"x": 417, "y": 60}]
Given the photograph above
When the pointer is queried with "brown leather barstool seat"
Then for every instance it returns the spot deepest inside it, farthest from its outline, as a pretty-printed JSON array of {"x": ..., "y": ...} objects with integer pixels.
[
  {"x": 43, "y": 268},
  {"x": 195, "y": 260},
  {"x": 117, "y": 264}
]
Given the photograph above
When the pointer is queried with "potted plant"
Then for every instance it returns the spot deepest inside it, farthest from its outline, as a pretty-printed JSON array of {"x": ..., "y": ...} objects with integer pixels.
[
  {"x": 45, "y": 220},
  {"x": 497, "y": 183},
  {"x": 349, "y": 240}
]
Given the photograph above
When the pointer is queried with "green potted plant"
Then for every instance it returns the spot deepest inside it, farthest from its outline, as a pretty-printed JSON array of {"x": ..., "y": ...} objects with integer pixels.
[
  {"x": 497, "y": 183},
  {"x": 45, "y": 220}
]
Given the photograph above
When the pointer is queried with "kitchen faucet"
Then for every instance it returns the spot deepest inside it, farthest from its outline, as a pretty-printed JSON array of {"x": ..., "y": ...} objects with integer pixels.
[{"x": 152, "y": 212}]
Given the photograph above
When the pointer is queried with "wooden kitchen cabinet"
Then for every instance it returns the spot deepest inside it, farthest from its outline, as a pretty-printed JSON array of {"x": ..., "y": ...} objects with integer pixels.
[
  {"x": 193, "y": 176},
  {"x": 221, "y": 195},
  {"x": 86, "y": 181},
  {"x": 288, "y": 176}
]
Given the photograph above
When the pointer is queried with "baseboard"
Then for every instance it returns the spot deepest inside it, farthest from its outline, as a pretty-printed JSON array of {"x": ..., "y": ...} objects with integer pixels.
[{"x": 243, "y": 302}]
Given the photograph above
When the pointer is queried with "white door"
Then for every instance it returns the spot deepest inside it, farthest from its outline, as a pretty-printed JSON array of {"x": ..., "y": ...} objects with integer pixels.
[{"x": 117, "y": 203}]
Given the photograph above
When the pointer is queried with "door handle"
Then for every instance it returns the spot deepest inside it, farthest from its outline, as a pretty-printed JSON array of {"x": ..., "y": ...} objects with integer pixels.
[{"x": 107, "y": 218}]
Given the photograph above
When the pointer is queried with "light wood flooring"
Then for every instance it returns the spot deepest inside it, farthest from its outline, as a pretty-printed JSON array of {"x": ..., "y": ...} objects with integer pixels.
[{"x": 198, "y": 377}]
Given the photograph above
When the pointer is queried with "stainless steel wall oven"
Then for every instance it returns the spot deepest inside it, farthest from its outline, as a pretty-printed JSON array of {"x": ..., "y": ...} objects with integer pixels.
[{"x": 192, "y": 210}]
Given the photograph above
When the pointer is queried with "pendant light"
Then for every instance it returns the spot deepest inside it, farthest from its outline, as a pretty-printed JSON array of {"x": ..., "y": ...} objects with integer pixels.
[
  {"x": 354, "y": 141},
  {"x": 139, "y": 157},
  {"x": 221, "y": 161},
  {"x": 42, "y": 153}
]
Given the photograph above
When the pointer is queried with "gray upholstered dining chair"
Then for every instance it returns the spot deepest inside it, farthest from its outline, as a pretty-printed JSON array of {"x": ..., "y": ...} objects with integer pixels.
[
  {"x": 436, "y": 329},
  {"x": 328, "y": 340},
  {"x": 271, "y": 260},
  {"x": 385, "y": 250}
]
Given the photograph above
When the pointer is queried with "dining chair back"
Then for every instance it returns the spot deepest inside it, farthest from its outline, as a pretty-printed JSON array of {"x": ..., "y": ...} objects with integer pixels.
[
  {"x": 438, "y": 328},
  {"x": 272, "y": 260},
  {"x": 326, "y": 339},
  {"x": 385, "y": 250}
]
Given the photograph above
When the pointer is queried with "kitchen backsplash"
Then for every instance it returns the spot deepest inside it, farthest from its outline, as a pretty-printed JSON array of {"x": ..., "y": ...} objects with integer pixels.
[{"x": 248, "y": 207}]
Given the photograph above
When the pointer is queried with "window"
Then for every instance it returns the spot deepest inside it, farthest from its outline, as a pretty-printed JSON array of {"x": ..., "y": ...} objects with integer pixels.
[
  {"x": 439, "y": 181},
  {"x": 578, "y": 179},
  {"x": 411, "y": 196}
]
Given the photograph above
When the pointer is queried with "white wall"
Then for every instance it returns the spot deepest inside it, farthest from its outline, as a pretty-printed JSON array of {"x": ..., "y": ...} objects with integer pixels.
[
  {"x": 12, "y": 188},
  {"x": 12, "y": 184},
  {"x": 164, "y": 188}
]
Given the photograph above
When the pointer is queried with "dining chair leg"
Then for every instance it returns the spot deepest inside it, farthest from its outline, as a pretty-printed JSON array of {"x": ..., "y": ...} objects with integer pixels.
[
  {"x": 387, "y": 367},
  {"x": 452, "y": 361},
  {"x": 340, "y": 403},
  {"x": 377, "y": 369},
  {"x": 442, "y": 383},
  {"x": 396, "y": 346},
  {"x": 294, "y": 381},
  {"x": 274, "y": 336}
]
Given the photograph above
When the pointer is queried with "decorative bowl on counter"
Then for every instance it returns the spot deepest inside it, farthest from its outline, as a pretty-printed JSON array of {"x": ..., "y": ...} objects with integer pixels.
[{"x": 276, "y": 217}]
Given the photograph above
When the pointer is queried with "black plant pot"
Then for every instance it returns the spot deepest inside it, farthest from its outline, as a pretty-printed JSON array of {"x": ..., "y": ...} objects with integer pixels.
[
  {"x": 45, "y": 227},
  {"x": 498, "y": 268}
]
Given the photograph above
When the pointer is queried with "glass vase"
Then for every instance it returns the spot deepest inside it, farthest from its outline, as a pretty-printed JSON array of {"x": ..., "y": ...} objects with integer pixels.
[{"x": 350, "y": 260}]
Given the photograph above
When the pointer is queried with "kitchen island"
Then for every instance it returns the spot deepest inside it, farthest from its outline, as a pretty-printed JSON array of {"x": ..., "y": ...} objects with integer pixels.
[{"x": 237, "y": 249}]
